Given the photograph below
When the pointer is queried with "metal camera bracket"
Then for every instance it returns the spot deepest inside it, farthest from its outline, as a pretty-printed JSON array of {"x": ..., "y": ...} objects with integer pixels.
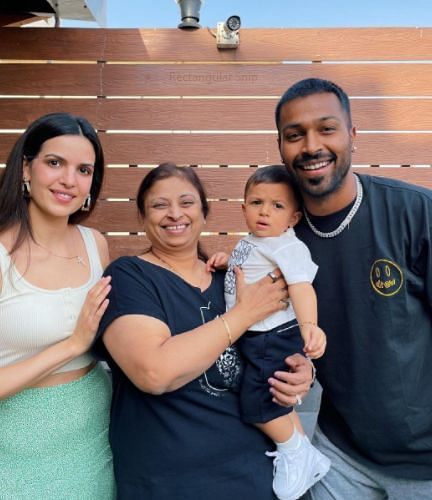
[{"x": 227, "y": 33}]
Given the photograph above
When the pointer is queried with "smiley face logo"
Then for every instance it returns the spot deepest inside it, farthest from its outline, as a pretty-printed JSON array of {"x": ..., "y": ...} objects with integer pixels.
[{"x": 386, "y": 277}]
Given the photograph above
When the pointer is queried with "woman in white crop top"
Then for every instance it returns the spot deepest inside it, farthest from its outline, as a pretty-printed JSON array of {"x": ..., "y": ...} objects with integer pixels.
[{"x": 54, "y": 398}]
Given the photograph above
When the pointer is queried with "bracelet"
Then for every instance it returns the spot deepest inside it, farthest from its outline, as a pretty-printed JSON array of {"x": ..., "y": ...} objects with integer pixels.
[
  {"x": 227, "y": 329},
  {"x": 313, "y": 371},
  {"x": 307, "y": 323}
]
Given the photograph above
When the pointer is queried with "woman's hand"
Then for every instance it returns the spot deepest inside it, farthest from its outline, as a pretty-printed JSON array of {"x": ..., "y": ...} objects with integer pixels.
[
  {"x": 23, "y": 374},
  {"x": 260, "y": 299},
  {"x": 91, "y": 313},
  {"x": 289, "y": 387}
]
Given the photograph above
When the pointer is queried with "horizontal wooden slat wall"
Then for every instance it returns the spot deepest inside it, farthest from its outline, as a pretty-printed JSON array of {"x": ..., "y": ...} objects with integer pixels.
[{"x": 168, "y": 94}]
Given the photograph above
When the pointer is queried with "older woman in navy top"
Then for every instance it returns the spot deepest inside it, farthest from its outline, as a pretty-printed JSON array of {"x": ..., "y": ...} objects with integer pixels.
[{"x": 176, "y": 432}]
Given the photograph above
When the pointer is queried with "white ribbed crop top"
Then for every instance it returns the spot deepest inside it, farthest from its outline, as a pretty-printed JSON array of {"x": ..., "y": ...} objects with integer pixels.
[{"x": 33, "y": 318}]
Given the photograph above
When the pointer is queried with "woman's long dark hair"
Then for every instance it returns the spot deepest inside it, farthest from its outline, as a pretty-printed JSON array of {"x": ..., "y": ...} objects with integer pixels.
[
  {"x": 13, "y": 205},
  {"x": 165, "y": 171}
]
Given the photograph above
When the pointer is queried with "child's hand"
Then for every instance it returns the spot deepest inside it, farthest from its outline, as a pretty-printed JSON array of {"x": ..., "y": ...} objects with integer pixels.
[
  {"x": 315, "y": 340},
  {"x": 218, "y": 260}
]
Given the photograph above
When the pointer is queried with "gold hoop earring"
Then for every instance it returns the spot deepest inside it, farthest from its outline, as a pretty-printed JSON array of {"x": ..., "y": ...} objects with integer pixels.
[
  {"x": 25, "y": 188},
  {"x": 86, "y": 205}
]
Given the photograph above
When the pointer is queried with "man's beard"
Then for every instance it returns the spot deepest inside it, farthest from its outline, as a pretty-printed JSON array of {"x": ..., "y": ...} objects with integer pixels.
[{"x": 311, "y": 187}]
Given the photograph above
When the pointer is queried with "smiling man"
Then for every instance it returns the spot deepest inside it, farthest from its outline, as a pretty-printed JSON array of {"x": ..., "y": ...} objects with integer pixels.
[{"x": 371, "y": 239}]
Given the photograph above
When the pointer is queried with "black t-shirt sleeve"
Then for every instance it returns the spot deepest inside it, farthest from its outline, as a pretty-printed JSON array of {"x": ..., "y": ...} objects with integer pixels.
[
  {"x": 133, "y": 292},
  {"x": 428, "y": 273},
  {"x": 415, "y": 228}
]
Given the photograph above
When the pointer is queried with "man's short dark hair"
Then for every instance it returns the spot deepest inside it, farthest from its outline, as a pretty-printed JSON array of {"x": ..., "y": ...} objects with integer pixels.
[{"x": 311, "y": 86}]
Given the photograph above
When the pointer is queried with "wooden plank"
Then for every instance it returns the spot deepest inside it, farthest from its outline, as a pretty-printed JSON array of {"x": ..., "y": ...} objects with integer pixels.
[
  {"x": 272, "y": 45},
  {"x": 360, "y": 79},
  {"x": 225, "y": 216},
  {"x": 115, "y": 216},
  {"x": 190, "y": 149},
  {"x": 208, "y": 114},
  {"x": 6, "y": 143},
  {"x": 126, "y": 245},
  {"x": 333, "y": 44},
  {"x": 52, "y": 44},
  {"x": 19, "y": 113},
  {"x": 249, "y": 114},
  {"x": 254, "y": 149},
  {"x": 136, "y": 245},
  {"x": 228, "y": 183},
  {"x": 50, "y": 79},
  {"x": 225, "y": 183},
  {"x": 243, "y": 149},
  {"x": 209, "y": 80}
]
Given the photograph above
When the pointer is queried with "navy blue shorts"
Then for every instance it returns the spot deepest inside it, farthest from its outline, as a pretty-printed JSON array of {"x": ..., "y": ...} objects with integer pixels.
[{"x": 265, "y": 353}]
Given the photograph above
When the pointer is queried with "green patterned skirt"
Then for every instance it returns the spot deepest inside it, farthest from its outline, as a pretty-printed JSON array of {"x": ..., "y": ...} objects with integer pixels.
[{"x": 54, "y": 442}]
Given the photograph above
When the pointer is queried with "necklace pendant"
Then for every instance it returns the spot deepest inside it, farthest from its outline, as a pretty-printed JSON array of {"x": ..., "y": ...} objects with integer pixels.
[{"x": 80, "y": 260}]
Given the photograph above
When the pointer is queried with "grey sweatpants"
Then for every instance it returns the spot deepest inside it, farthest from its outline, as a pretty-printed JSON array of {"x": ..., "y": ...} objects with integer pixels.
[{"x": 350, "y": 480}]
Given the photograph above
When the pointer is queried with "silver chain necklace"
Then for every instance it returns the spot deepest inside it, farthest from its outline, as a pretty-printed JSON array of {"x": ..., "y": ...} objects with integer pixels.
[
  {"x": 347, "y": 219},
  {"x": 77, "y": 258}
]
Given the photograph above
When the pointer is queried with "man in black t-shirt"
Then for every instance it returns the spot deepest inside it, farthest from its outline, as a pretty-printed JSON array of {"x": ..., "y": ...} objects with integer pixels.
[{"x": 371, "y": 239}]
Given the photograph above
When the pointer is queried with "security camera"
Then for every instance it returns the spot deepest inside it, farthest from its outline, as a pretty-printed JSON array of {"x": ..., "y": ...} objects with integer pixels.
[
  {"x": 227, "y": 34},
  {"x": 233, "y": 23},
  {"x": 190, "y": 13}
]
